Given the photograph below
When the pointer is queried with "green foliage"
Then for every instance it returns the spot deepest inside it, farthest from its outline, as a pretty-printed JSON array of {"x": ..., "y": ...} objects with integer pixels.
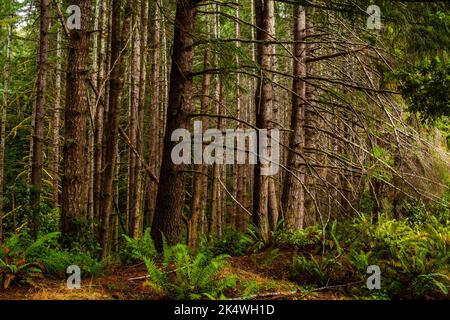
[
  {"x": 18, "y": 260},
  {"x": 183, "y": 275},
  {"x": 138, "y": 249},
  {"x": 310, "y": 236},
  {"x": 414, "y": 257},
  {"x": 56, "y": 262},
  {"x": 232, "y": 242},
  {"x": 426, "y": 86},
  {"x": 23, "y": 259}
]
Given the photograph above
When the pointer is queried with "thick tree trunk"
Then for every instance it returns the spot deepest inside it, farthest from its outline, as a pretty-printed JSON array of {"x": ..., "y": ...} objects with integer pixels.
[
  {"x": 38, "y": 130},
  {"x": 293, "y": 198},
  {"x": 74, "y": 210},
  {"x": 170, "y": 198}
]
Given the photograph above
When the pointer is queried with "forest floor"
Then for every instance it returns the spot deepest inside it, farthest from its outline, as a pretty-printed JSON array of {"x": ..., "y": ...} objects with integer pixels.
[{"x": 128, "y": 283}]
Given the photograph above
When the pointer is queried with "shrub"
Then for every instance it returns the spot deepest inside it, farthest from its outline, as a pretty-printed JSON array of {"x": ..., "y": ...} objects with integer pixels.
[
  {"x": 18, "y": 258},
  {"x": 138, "y": 249},
  {"x": 310, "y": 236},
  {"x": 413, "y": 257},
  {"x": 23, "y": 259},
  {"x": 232, "y": 242},
  {"x": 56, "y": 262},
  {"x": 184, "y": 275}
]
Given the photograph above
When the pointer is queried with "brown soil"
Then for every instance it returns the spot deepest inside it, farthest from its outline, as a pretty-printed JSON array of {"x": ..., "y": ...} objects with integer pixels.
[{"x": 265, "y": 270}]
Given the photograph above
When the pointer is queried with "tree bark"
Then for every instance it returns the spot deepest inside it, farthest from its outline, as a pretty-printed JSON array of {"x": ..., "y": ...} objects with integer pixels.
[
  {"x": 38, "y": 130},
  {"x": 293, "y": 198},
  {"x": 155, "y": 113},
  {"x": 74, "y": 210},
  {"x": 119, "y": 43},
  {"x": 56, "y": 120},
  {"x": 134, "y": 216},
  {"x": 200, "y": 181},
  {"x": 3, "y": 122},
  {"x": 264, "y": 10},
  {"x": 170, "y": 198},
  {"x": 101, "y": 106}
]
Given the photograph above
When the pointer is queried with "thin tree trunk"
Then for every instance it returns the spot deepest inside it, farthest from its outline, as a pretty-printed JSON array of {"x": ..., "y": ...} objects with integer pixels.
[
  {"x": 133, "y": 214},
  {"x": 216, "y": 208},
  {"x": 119, "y": 43},
  {"x": 263, "y": 100},
  {"x": 38, "y": 130},
  {"x": 293, "y": 198},
  {"x": 141, "y": 124},
  {"x": 239, "y": 184},
  {"x": 170, "y": 198},
  {"x": 200, "y": 181},
  {"x": 3, "y": 125},
  {"x": 101, "y": 102},
  {"x": 155, "y": 112},
  {"x": 56, "y": 119}
]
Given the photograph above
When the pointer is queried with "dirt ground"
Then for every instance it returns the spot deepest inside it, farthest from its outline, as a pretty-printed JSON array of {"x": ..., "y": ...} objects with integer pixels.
[{"x": 128, "y": 283}]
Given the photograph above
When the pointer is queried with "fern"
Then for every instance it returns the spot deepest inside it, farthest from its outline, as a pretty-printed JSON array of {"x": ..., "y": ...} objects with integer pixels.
[{"x": 186, "y": 276}]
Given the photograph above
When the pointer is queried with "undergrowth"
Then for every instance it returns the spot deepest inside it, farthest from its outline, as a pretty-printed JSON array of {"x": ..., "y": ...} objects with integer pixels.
[
  {"x": 25, "y": 260},
  {"x": 414, "y": 258}
]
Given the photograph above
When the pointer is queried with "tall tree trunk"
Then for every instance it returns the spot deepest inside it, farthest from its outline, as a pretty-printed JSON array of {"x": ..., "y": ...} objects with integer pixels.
[
  {"x": 263, "y": 100},
  {"x": 3, "y": 124},
  {"x": 141, "y": 124},
  {"x": 200, "y": 181},
  {"x": 293, "y": 198},
  {"x": 56, "y": 120},
  {"x": 119, "y": 43},
  {"x": 93, "y": 105},
  {"x": 170, "y": 198},
  {"x": 216, "y": 207},
  {"x": 74, "y": 210},
  {"x": 239, "y": 179},
  {"x": 38, "y": 130},
  {"x": 313, "y": 121},
  {"x": 101, "y": 104},
  {"x": 154, "y": 114},
  {"x": 133, "y": 214}
]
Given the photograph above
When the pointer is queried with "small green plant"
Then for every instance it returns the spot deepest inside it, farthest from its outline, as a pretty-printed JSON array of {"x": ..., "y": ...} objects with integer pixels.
[
  {"x": 184, "y": 275},
  {"x": 413, "y": 256},
  {"x": 14, "y": 266},
  {"x": 309, "y": 236},
  {"x": 56, "y": 262},
  {"x": 138, "y": 249},
  {"x": 18, "y": 258},
  {"x": 23, "y": 259},
  {"x": 232, "y": 242}
]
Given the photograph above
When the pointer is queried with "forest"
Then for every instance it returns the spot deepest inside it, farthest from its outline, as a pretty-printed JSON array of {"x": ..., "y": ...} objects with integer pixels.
[{"x": 212, "y": 149}]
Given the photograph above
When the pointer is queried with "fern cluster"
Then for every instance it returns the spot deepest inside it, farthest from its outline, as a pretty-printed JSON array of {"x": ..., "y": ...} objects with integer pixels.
[
  {"x": 138, "y": 249},
  {"x": 181, "y": 274},
  {"x": 23, "y": 259},
  {"x": 414, "y": 258}
]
